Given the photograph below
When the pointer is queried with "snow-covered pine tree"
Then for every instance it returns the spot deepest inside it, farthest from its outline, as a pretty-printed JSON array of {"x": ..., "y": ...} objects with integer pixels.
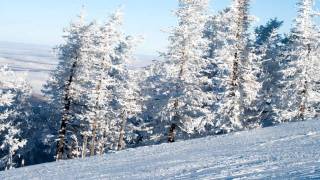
[
  {"x": 240, "y": 64},
  {"x": 14, "y": 95},
  {"x": 264, "y": 32},
  {"x": 239, "y": 29},
  {"x": 109, "y": 90},
  {"x": 155, "y": 85},
  {"x": 84, "y": 81},
  {"x": 60, "y": 89},
  {"x": 268, "y": 44},
  {"x": 101, "y": 85},
  {"x": 301, "y": 73},
  {"x": 217, "y": 31},
  {"x": 186, "y": 109},
  {"x": 127, "y": 92}
]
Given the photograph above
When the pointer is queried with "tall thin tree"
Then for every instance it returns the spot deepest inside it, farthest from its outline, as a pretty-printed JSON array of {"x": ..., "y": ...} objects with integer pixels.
[
  {"x": 59, "y": 88},
  {"x": 186, "y": 51},
  {"x": 301, "y": 73}
]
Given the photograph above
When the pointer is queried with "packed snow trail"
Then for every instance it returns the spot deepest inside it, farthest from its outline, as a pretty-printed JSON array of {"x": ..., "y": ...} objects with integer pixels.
[{"x": 283, "y": 152}]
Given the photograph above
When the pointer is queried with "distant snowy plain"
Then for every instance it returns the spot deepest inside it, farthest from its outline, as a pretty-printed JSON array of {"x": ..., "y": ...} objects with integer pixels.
[
  {"x": 33, "y": 61},
  {"x": 37, "y": 61},
  {"x": 288, "y": 151}
]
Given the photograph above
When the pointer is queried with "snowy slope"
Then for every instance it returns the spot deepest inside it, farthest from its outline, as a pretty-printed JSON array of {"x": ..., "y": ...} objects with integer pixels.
[{"x": 283, "y": 152}]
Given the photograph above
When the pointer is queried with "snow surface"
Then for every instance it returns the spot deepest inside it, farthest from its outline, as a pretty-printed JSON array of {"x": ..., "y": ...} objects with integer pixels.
[{"x": 284, "y": 152}]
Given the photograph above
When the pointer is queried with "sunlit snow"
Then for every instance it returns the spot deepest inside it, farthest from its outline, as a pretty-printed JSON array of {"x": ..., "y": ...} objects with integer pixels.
[{"x": 283, "y": 152}]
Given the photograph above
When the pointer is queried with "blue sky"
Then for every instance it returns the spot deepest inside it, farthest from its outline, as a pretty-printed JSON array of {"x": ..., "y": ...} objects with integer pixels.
[{"x": 42, "y": 21}]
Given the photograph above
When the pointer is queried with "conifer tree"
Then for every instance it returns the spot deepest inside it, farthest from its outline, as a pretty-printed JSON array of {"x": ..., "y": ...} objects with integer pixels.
[
  {"x": 108, "y": 89},
  {"x": 107, "y": 38},
  {"x": 239, "y": 62},
  {"x": 239, "y": 27},
  {"x": 185, "y": 110},
  {"x": 301, "y": 73},
  {"x": 217, "y": 32},
  {"x": 60, "y": 89},
  {"x": 14, "y": 96},
  {"x": 268, "y": 44}
]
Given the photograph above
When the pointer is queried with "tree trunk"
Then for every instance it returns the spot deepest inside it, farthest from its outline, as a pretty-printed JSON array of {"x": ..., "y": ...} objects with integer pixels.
[
  {"x": 235, "y": 87},
  {"x": 172, "y": 133},
  {"x": 173, "y": 127},
  {"x": 94, "y": 129},
  {"x": 302, "y": 108},
  {"x": 75, "y": 152},
  {"x": 122, "y": 131},
  {"x": 92, "y": 147},
  {"x": 235, "y": 76},
  {"x": 84, "y": 146},
  {"x": 102, "y": 143},
  {"x": 10, "y": 161},
  {"x": 65, "y": 117},
  {"x": 101, "y": 150}
]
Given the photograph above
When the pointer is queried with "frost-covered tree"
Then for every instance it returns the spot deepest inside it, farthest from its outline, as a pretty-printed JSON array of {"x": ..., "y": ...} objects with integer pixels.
[
  {"x": 98, "y": 83},
  {"x": 91, "y": 89},
  {"x": 14, "y": 95},
  {"x": 187, "y": 108},
  {"x": 83, "y": 121},
  {"x": 155, "y": 90},
  {"x": 61, "y": 89},
  {"x": 217, "y": 32},
  {"x": 240, "y": 64},
  {"x": 99, "y": 99},
  {"x": 301, "y": 94},
  {"x": 268, "y": 44},
  {"x": 264, "y": 32},
  {"x": 127, "y": 91},
  {"x": 108, "y": 90},
  {"x": 105, "y": 124}
]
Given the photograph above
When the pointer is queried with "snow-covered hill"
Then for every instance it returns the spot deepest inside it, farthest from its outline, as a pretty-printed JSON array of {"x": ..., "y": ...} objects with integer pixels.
[{"x": 283, "y": 152}]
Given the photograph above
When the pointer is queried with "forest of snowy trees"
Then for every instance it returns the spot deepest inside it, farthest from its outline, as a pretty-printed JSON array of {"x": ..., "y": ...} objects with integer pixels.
[{"x": 218, "y": 76}]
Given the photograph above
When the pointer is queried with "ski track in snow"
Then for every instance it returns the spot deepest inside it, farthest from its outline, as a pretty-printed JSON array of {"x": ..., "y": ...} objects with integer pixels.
[{"x": 288, "y": 151}]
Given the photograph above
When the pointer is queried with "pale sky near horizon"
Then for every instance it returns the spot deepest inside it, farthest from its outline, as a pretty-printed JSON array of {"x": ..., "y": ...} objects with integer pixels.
[{"x": 42, "y": 21}]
